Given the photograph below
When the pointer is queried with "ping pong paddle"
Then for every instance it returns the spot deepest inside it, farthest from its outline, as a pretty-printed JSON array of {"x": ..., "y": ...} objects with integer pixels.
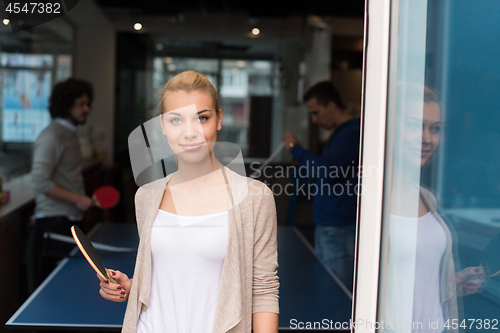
[
  {"x": 90, "y": 253},
  {"x": 490, "y": 259},
  {"x": 106, "y": 197}
]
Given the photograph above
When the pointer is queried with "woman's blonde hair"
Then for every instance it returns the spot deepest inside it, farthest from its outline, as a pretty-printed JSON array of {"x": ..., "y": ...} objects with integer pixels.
[{"x": 189, "y": 81}]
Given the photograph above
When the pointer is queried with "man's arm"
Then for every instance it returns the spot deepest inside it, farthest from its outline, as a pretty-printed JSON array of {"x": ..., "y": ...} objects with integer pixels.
[
  {"x": 82, "y": 202},
  {"x": 341, "y": 154},
  {"x": 46, "y": 154}
]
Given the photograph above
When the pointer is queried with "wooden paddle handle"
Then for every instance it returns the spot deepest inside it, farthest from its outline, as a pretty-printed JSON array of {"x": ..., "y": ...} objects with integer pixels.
[
  {"x": 94, "y": 199},
  {"x": 113, "y": 280}
]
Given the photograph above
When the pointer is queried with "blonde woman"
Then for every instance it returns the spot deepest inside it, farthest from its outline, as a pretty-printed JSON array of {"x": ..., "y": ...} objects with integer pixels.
[
  {"x": 207, "y": 258},
  {"x": 423, "y": 278}
]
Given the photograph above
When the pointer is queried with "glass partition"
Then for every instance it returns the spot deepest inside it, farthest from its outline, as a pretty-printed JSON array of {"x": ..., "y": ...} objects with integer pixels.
[{"x": 440, "y": 258}]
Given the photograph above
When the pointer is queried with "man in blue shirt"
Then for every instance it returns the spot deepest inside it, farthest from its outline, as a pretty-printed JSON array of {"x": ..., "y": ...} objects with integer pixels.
[{"x": 336, "y": 174}]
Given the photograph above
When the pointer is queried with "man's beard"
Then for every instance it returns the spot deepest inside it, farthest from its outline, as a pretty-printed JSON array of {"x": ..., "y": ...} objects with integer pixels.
[{"x": 77, "y": 121}]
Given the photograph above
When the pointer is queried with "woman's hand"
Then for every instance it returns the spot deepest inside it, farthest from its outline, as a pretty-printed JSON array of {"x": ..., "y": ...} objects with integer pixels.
[
  {"x": 265, "y": 322},
  {"x": 115, "y": 292},
  {"x": 469, "y": 280}
]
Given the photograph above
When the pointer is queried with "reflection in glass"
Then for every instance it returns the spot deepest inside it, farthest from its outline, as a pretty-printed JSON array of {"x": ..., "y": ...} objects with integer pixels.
[
  {"x": 421, "y": 285},
  {"x": 442, "y": 193}
]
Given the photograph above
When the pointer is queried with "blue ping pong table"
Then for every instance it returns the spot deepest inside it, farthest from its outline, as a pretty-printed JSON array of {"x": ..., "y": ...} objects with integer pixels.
[{"x": 69, "y": 298}]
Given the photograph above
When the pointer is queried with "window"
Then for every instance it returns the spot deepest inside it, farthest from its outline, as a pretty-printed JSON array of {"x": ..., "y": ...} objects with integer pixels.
[
  {"x": 31, "y": 62},
  {"x": 429, "y": 235},
  {"x": 26, "y": 86}
]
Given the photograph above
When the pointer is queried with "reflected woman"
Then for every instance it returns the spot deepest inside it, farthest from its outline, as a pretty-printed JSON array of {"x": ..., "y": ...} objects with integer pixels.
[
  {"x": 421, "y": 273},
  {"x": 207, "y": 258}
]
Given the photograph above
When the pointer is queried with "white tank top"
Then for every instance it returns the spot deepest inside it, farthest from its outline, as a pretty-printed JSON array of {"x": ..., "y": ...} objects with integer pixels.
[
  {"x": 187, "y": 256},
  {"x": 416, "y": 248}
]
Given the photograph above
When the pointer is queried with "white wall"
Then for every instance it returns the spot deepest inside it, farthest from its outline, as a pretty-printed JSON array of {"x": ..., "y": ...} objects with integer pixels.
[{"x": 94, "y": 60}]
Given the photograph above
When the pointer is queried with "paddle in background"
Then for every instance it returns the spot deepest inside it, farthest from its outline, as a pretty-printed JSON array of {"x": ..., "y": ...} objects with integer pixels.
[
  {"x": 90, "y": 253},
  {"x": 275, "y": 153},
  {"x": 106, "y": 197}
]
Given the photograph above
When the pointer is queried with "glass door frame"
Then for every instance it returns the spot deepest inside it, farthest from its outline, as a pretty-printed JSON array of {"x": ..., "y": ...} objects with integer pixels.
[
  {"x": 372, "y": 162},
  {"x": 382, "y": 32}
]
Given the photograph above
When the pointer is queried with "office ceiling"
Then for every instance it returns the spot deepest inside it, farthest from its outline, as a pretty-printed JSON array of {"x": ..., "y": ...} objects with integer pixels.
[
  {"x": 224, "y": 26},
  {"x": 253, "y": 8}
]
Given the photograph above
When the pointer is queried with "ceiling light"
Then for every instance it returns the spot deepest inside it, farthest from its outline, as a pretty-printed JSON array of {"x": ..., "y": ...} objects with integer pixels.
[
  {"x": 6, "y": 21},
  {"x": 255, "y": 31},
  {"x": 137, "y": 26}
]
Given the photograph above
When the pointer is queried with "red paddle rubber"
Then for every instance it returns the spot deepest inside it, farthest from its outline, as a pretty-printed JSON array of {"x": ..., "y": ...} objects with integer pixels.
[{"x": 106, "y": 197}]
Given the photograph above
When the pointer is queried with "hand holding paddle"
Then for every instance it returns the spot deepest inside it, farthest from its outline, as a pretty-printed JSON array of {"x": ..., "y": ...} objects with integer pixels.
[
  {"x": 84, "y": 203},
  {"x": 115, "y": 292},
  {"x": 489, "y": 267},
  {"x": 90, "y": 253},
  {"x": 104, "y": 197},
  {"x": 114, "y": 284},
  {"x": 469, "y": 280}
]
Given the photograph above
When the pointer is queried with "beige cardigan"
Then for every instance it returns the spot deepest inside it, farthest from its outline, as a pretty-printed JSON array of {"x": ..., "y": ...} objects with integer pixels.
[
  {"x": 448, "y": 287},
  {"x": 249, "y": 281}
]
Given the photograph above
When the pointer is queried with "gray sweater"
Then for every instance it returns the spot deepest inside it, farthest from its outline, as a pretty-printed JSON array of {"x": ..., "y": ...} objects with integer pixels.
[{"x": 56, "y": 160}]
